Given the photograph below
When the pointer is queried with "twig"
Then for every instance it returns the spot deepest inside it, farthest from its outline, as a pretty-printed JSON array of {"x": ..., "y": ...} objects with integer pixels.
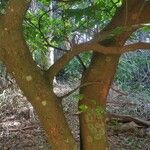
[
  {"x": 91, "y": 45},
  {"x": 122, "y": 103},
  {"x": 25, "y": 128},
  {"x": 81, "y": 62},
  {"x": 80, "y": 86},
  {"x": 118, "y": 91},
  {"x": 127, "y": 118}
]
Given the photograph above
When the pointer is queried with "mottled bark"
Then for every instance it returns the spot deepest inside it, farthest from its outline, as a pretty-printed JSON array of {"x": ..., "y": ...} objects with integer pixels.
[
  {"x": 102, "y": 70},
  {"x": 93, "y": 131},
  {"x": 15, "y": 54},
  {"x": 18, "y": 60}
]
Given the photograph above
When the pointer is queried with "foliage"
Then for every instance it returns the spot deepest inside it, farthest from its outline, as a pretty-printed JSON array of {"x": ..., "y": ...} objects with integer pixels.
[
  {"x": 59, "y": 24},
  {"x": 133, "y": 73},
  {"x": 74, "y": 67},
  {"x": 54, "y": 23},
  {"x": 82, "y": 108},
  {"x": 2, "y": 6}
]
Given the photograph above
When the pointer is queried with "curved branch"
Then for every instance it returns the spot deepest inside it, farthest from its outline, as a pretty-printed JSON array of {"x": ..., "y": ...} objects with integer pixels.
[
  {"x": 78, "y": 87},
  {"x": 58, "y": 65},
  {"x": 135, "y": 46},
  {"x": 132, "y": 22}
]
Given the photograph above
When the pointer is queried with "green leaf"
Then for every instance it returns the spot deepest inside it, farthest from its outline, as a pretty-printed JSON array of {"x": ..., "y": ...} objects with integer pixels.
[{"x": 82, "y": 108}]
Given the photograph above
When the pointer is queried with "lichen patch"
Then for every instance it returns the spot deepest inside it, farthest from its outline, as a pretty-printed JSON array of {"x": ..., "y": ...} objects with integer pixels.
[
  {"x": 44, "y": 103},
  {"x": 12, "y": 10},
  {"x": 29, "y": 78},
  {"x": 108, "y": 59}
]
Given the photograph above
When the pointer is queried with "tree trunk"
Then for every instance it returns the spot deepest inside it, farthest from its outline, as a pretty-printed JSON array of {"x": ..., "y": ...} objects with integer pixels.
[
  {"x": 15, "y": 54},
  {"x": 92, "y": 120},
  {"x": 39, "y": 93}
]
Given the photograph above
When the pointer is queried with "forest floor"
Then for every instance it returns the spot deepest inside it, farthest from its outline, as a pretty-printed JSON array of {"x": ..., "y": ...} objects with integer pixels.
[{"x": 20, "y": 128}]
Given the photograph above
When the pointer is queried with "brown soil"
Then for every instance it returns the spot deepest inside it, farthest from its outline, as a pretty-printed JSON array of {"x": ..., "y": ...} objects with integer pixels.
[{"x": 20, "y": 128}]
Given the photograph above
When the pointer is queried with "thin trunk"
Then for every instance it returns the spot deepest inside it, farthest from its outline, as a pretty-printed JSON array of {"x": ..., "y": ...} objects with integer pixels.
[{"x": 93, "y": 126}]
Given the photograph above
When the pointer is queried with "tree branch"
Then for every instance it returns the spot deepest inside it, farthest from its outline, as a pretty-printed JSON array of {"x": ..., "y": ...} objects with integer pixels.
[
  {"x": 55, "y": 68},
  {"x": 135, "y": 46},
  {"x": 127, "y": 118},
  {"x": 81, "y": 62},
  {"x": 43, "y": 36},
  {"x": 48, "y": 43},
  {"x": 78, "y": 87},
  {"x": 59, "y": 64}
]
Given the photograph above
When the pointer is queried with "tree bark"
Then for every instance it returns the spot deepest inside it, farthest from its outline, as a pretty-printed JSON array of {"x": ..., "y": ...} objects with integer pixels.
[
  {"x": 16, "y": 56},
  {"x": 102, "y": 69},
  {"x": 93, "y": 126},
  {"x": 18, "y": 60}
]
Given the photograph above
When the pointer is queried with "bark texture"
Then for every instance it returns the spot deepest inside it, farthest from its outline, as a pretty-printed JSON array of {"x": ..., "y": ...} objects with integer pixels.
[
  {"x": 93, "y": 131},
  {"x": 39, "y": 90},
  {"x": 102, "y": 70},
  {"x": 17, "y": 58}
]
